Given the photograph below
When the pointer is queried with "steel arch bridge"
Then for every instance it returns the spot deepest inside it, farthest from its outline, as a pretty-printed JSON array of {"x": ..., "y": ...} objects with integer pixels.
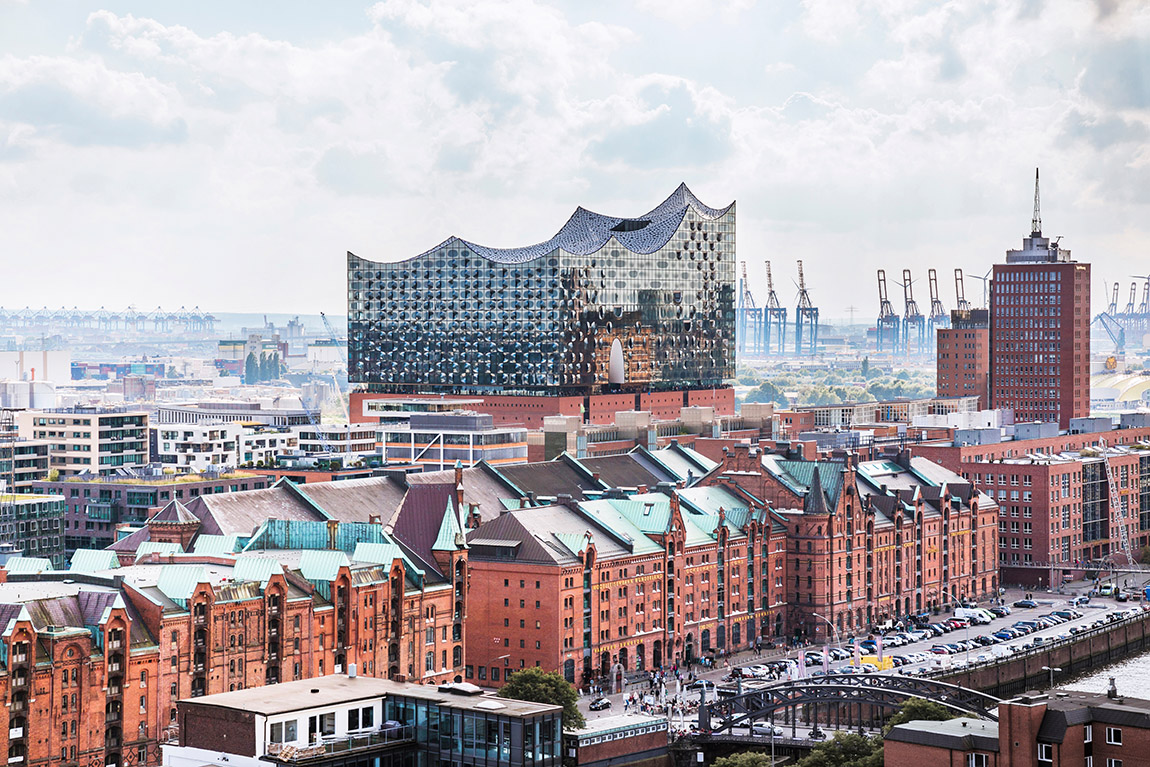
[{"x": 885, "y": 691}]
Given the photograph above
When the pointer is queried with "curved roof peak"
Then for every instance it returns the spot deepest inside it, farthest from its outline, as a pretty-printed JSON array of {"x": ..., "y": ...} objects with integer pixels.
[{"x": 587, "y": 232}]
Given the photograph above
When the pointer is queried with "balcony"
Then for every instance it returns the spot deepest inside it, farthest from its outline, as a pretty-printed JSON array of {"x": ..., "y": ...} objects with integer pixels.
[{"x": 391, "y": 736}]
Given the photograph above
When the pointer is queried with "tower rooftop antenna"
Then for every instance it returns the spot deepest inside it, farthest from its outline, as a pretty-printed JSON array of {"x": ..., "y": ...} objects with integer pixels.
[{"x": 1036, "y": 221}]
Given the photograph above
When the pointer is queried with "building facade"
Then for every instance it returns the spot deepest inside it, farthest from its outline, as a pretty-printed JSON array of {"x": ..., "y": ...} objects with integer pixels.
[
  {"x": 1058, "y": 728},
  {"x": 608, "y": 304},
  {"x": 357, "y": 721},
  {"x": 33, "y": 526},
  {"x": 22, "y": 462},
  {"x": 963, "y": 356},
  {"x": 869, "y": 542},
  {"x": 98, "y": 655},
  {"x": 88, "y": 439},
  {"x": 1040, "y": 331}
]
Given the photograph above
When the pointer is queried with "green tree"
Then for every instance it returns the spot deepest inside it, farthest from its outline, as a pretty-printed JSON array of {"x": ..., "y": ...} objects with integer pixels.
[
  {"x": 865, "y": 366},
  {"x": 251, "y": 369},
  {"x": 767, "y": 391},
  {"x": 845, "y": 750},
  {"x": 265, "y": 367},
  {"x": 539, "y": 686},
  {"x": 744, "y": 759}
]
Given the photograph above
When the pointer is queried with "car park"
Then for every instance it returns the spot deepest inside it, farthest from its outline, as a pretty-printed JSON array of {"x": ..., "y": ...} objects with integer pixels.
[{"x": 1000, "y": 610}]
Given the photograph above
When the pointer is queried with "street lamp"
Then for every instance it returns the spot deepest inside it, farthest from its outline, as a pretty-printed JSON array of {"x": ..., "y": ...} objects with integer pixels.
[
  {"x": 829, "y": 623},
  {"x": 1051, "y": 669}
]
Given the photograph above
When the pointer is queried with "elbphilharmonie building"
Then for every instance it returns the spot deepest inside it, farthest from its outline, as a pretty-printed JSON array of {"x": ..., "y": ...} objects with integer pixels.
[{"x": 607, "y": 304}]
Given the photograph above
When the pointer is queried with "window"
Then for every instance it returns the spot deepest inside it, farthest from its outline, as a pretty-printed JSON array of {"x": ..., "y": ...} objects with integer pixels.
[
  {"x": 353, "y": 719},
  {"x": 1113, "y": 736},
  {"x": 1113, "y": 763},
  {"x": 1044, "y": 752},
  {"x": 976, "y": 760},
  {"x": 1088, "y": 734}
]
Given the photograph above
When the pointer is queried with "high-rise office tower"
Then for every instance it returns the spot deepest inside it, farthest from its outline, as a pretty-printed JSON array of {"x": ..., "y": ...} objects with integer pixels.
[{"x": 1040, "y": 330}]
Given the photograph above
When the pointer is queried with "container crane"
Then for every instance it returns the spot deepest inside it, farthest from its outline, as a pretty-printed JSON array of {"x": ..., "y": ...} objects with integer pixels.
[
  {"x": 1112, "y": 310},
  {"x": 912, "y": 317},
  {"x": 748, "y": 328},
  {"x": 806, "y": 316},
  {"x": 960, "y": 292},
  {"x": 774, "y": 319},
  {"x": 938, "y": 317},
  {"x": 889, "y": 325}
]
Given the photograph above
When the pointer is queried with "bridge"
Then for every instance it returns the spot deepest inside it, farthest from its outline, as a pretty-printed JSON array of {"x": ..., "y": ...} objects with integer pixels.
[{"x": 838, "y": 694}]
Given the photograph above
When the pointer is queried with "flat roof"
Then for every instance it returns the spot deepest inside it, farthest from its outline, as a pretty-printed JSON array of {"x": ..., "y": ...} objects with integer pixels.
[
  {"x": 959, "y": 734},
  {"x": 616, "y": 722},
  {"x": 303, "y": 694}
]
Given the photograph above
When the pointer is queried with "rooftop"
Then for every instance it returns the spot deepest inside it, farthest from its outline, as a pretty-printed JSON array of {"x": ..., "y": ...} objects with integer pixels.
[
  {"x": 336, "y": 689},
  {"x": 958, "y": 734}
]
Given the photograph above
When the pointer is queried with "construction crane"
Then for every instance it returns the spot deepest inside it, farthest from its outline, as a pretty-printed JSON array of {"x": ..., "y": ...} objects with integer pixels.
[
  {"x": 938, "y": 317},
  {"x": 960, "y": 292},
  {"x": 912, "y": 319},
  {"x": 1117, "y": 510},
  {"x": 889, "y": 325},
  {"x": 806, "y": 316},
  {"x": 774, "y": 319}
]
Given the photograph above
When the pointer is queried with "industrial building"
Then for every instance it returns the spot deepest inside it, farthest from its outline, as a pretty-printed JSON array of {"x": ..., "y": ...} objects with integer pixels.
[{"x": 609, "y": 308}]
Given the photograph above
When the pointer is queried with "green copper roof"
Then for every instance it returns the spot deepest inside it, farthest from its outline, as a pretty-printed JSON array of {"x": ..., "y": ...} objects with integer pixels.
[
  {"x": 377, "y": 553},
  {"x": 217, "y": 544},
  {"x": 450, "y": 536},
  {"x": 178, "y": 582},
  {"x": 575, "y": 542},
  {"x": 255, "y": 568},
  {"x": 158, "y": 547},
  {"x": 28, "y": 565},
  {"x": 799, "y": 475},
  {"x": 93, "y": 560},
  {"x": 321, "y": 565}
]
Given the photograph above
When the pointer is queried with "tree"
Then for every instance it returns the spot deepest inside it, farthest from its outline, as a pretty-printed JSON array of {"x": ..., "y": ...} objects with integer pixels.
[
  {"x": 845, "y": 750},
  {"x": 251, "y": 369},
  {"x": 865, "y": 366},
  {"x": 744, "y": 759},
  {"x": 539, "y": 686},
  {"x": 265, "y": 367}
]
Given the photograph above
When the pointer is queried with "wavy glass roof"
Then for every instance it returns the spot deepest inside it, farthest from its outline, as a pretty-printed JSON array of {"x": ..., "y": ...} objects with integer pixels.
[{"x": 586, "y": 232}]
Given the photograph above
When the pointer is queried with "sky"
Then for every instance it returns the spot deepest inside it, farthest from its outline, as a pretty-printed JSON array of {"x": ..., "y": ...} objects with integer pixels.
[{"x": 227, "y": 155}]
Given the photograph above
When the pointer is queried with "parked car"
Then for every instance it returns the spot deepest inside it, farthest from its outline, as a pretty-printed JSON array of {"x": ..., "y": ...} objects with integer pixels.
[
  {"x": 1026, "y": 603},
  {"x": 767, "y": 729},
  {"x": 1080, "y": 601},
  {"x": 599, "y": 704}
]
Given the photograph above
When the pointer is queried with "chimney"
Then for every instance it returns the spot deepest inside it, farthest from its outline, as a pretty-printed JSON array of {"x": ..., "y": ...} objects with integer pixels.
[{"x": 1112, "y": 692}]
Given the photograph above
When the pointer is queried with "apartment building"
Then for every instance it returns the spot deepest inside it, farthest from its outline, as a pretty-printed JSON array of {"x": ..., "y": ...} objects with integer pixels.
[
  {"x": 22, "y": 462},
  {"x": 92, "y": 439},
  {"x": 32, "y": 526},
  {"x": 95, "y": 506},
  {"x": 214, "y": 445}
]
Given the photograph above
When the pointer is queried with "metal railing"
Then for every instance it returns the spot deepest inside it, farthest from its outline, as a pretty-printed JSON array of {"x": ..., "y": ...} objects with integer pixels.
[{"x": 390, "y": 735}]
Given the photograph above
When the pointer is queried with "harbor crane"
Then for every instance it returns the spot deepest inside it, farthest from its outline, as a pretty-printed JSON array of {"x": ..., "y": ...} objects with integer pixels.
[
  {"x": 806, "y": 316},
  {"x": 889, "y": 326}
]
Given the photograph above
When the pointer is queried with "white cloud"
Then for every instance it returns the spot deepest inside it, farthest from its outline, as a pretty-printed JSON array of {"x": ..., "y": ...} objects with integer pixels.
[{"x": 229, "y": 166}]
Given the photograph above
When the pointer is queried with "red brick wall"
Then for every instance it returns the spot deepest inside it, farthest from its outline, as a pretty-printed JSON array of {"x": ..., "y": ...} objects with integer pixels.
[{"x": 963, "y": 363}]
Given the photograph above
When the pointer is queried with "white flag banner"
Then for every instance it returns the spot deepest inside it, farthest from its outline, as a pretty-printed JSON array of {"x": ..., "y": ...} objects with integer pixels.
[
  {"x": 858, "y": 654},
  {"x": 878, "y": 642}
]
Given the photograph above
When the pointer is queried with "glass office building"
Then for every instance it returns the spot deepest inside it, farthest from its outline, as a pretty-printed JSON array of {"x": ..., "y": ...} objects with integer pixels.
[{"x": 607, "y": 304}]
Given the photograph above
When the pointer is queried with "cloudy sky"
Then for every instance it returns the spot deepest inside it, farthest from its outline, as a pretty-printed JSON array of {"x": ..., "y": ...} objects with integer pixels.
[{"x": 228, "y": 154}]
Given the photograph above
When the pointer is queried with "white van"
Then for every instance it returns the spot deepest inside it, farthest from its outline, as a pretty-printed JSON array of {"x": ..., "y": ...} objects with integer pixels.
[{"x": 975, "y": 615}]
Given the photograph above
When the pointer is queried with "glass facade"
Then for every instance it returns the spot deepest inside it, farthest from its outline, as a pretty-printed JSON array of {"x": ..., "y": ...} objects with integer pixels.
[{"x": 608, "y": 304}]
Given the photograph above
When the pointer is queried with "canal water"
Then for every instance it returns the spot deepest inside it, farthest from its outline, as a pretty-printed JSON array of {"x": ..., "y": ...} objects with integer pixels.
[{"x": 1132, "y": 676}]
